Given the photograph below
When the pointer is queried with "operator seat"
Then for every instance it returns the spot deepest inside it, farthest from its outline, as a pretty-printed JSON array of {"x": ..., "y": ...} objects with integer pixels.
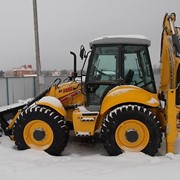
[{"x": 129, "y": 76}]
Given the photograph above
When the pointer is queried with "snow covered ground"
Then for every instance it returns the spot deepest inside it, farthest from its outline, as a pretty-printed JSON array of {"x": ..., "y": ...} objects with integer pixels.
[{"x": 85, "y": 161}]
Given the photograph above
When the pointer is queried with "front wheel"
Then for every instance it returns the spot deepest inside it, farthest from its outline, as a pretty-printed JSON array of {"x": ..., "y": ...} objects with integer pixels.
[
  {"x": 131, "y": 128},
  {"x": 41, "y": 128}
]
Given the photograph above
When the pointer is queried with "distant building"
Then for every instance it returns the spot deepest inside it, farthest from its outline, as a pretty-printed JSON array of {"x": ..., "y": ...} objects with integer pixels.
[
  {"x": 56, "y": 73},
  {"x": 25, "y": 70}
]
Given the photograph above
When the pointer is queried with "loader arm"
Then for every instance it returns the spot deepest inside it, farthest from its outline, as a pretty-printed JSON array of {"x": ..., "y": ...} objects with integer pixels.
[{"x": 12, "y": 111}]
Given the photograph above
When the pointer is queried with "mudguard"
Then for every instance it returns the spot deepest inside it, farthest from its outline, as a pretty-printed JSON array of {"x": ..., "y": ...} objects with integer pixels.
[
  {"x": 53, "y": 103},
  {"x": 128, "y": 94}
]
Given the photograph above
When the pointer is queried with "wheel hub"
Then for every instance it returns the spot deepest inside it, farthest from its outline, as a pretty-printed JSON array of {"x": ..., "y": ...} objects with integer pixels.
[
  {"x": 39, "y": 134},
  {"x": 131, "y": 135}
]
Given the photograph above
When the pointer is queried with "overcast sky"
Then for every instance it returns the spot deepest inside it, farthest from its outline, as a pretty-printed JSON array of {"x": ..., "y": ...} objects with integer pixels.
[{"x": 66, "y": 24}]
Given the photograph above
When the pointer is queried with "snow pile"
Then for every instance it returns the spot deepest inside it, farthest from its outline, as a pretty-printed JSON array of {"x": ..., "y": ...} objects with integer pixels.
[
  {"x": 15, "y": 105},
  {"x": 153, "y": 101},
  {"x": 51, "y": 100},
  {"x": 82, "y": 160},
  {"x": 82, "y": 109},
  {"x": 85, "y": 161}
]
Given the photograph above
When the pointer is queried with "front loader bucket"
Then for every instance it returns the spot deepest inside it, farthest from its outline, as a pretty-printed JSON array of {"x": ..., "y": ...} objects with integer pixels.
[{"x": 8, "y": 112}]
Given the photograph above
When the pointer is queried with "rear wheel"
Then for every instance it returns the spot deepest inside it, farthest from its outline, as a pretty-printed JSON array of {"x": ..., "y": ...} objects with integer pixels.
[
  {"x": 131, "y": 128},
  {"x": 41, "y": 128}
]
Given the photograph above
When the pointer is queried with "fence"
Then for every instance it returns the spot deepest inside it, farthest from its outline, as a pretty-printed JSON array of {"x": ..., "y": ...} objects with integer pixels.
[{"x": 12, "y": 88}]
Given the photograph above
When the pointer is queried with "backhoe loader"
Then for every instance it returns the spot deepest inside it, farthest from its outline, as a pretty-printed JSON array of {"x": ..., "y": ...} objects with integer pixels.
[{"x": 116, "y": 98}]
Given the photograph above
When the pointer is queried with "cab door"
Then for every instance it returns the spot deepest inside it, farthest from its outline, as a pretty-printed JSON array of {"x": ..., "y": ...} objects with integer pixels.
[{"x": 103, "y": 73}]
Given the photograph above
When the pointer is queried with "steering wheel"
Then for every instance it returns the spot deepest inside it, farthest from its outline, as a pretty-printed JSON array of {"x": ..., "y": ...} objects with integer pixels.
[{"x": 108, "y": 75}]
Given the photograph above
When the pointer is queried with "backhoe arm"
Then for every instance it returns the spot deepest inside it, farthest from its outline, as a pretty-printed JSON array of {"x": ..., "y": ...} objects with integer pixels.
[
  {"x": 169, "y": 90},
  {"x": 170, "y": 56}
]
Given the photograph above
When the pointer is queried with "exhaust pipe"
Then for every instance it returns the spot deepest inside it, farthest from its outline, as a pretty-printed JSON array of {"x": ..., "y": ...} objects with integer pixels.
[{"x": 74, "y": 73}]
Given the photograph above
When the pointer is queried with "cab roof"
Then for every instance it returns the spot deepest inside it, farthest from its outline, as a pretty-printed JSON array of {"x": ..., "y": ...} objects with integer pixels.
[{"x": 122, "y": 39}]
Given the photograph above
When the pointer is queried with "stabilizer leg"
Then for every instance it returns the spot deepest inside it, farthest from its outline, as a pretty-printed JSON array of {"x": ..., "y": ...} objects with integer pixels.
[{"x": 171, "y": 113}]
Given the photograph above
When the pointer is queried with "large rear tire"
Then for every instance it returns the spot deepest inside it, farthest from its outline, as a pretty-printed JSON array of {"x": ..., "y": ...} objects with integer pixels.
[
  {"x": 41, "y": 128},
  {"x": 131, "y": 128}
]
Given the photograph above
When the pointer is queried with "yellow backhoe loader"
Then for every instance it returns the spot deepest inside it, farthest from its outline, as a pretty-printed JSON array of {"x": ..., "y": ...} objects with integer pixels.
[{"x": 116, "y": 97}]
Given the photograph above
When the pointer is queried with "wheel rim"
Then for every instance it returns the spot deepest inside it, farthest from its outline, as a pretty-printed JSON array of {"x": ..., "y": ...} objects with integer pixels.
[
  {"x": 132, "y": 135},
  {"x": 38, "y": 135}
]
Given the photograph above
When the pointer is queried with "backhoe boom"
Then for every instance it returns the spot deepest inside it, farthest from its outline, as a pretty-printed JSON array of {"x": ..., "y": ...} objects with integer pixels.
[{"x": 169, "y": 90}]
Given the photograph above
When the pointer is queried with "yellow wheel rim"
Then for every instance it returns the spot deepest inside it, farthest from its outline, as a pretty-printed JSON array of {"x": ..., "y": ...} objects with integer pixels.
[
  {"x": 132, "y": 135},
  {"x": 38, "y": 135}
]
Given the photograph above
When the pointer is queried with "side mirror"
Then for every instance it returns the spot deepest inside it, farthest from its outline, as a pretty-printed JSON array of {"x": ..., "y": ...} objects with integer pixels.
[{"x": 82, "y": 52}]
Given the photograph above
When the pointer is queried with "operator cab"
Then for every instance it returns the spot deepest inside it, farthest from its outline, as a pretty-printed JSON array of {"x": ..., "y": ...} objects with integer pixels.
[{"x": 114, "y": 61}]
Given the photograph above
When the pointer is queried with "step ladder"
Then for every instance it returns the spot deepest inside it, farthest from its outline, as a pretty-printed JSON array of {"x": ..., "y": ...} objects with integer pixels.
[{"x": 84, "y": 121}]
